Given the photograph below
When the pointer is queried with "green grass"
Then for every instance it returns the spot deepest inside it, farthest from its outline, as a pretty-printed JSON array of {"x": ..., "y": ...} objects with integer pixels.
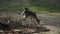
[
  {"x": 10, "y": 7},
  {"x": 41, "y": 7},
  {"x": 52, "y": 7}
]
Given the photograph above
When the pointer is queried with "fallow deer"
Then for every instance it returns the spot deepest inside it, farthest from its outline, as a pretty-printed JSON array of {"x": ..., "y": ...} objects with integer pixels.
[{"x": 28, "y": 13}]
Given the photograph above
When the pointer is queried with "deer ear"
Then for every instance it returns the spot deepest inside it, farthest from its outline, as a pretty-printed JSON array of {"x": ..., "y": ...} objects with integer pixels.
[{"x": 26, "y": 9}]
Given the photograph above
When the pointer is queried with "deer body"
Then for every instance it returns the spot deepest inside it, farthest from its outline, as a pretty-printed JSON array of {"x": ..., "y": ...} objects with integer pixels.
[{"x": 28, "y": 13}]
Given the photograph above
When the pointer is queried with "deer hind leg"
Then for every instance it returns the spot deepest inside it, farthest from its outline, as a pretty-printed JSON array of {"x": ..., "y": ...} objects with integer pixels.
[
  {"x": 38, "y": 21},
  {"x": 35, "y": 17}
]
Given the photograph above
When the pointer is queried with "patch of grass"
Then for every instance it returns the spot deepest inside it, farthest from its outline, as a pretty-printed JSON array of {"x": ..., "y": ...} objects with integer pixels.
[
  {"x": 52, "y": 7},
  {"x": 10, "y": 7},
  {"x": 40, "y": 7}
]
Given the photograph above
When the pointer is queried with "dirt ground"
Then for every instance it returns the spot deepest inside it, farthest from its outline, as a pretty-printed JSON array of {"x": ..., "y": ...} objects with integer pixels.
[{"x": 49, "y": 24}]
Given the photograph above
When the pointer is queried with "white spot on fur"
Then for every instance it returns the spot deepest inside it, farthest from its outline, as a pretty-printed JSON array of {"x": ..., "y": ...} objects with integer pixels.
[{"x": 24, "y": 16}]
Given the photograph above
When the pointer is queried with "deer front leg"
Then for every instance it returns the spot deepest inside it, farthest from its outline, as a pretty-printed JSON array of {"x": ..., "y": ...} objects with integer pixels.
[{"x": 24, "y": 17}]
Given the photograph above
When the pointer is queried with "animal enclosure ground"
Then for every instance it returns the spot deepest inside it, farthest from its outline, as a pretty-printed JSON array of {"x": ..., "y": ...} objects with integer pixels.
[{"x": 49, "y": 24}]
